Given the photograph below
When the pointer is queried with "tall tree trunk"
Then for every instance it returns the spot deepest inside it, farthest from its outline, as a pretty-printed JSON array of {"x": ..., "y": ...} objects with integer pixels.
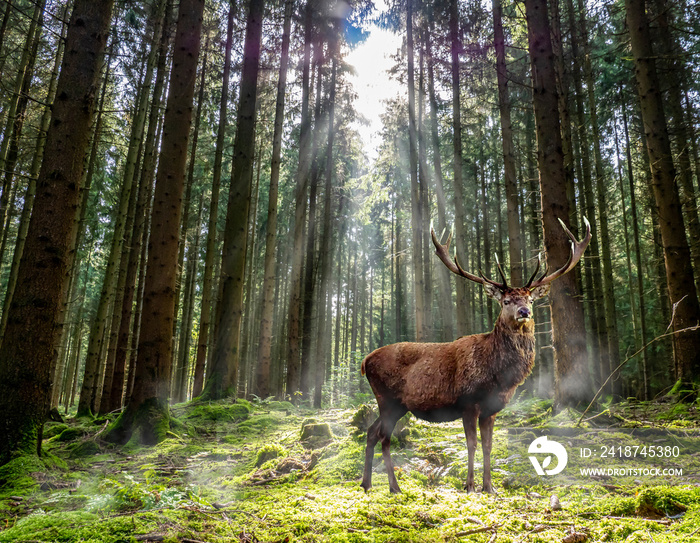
[
  {"x": 33, "y": 173},
  {"x": 185, "y": 225},
  {"x": 679, "y": 271},
  {"x": 638, "y": 256},
  {"x": 89, "y": 392},
  {"x": 210, "y": 248},
  {"x": 225, "y": 358},
  {"x": 293, "y": 352},
  {"x": 416, "y": 211},
  {"x": 462, "y": 303},
  {"x": 572, "y": 382},
  {"x": 613, "y": 346},
  {"x": 262, "y": 371},
  {"x": 25, "y": 366},
  {"x": 325, "y": 248},
  {"x": 18, "y": 102},
  {"x": 445, "y": 291},
  {"x": 511, "y": 182},
  {"x": 147, "y": 414},
  {"x": 671, "y": 51}
]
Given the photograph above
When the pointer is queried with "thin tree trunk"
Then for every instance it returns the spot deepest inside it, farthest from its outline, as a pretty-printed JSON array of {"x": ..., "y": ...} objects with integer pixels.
[
  {"x": 511, "y": 182},
  {"x": 18, "y": 102},
  {"x": 445, "y": 291},
  {"x": 634, "y": 216},
  {"x": 226, "y": 356},
  {"x": 181, "y": 387},
  {"x": 210, "y": 248},
  {"x": 186, "y": 205},
  {"x": 293, "y": 354},
  {"x": 325, "y": 248},
  {"x": 613, "y": 346},
  {"x": 416, "y": 211},
  {"x": 262, "y": 378}
]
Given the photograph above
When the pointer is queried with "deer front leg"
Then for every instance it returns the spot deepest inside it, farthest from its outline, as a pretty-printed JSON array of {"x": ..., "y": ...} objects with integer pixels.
[
  {"x": 486, "y": 429},
  {"x": 469, "y": 422}
]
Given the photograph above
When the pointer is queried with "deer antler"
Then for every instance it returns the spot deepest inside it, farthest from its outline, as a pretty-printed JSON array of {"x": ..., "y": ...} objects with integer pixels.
[
  {"x": 453, "y": 265},
  {"x": 577, "y": 249}
]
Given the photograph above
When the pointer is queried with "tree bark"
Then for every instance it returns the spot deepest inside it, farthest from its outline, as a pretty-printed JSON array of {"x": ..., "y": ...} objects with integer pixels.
[
  {"x": 679, "y": 271},
  {"x": 225, "y": 357},
  {"x": 416, "y": 207},
  {"x": 572, "y": 383},
  {"x": 146, "y": 414},
  {"x": 462, "y": 301},
  {"x": 511, "y": 182},
  {"x": 25, "y": 366},
  {"x": 262, "y": 375},
  {"x": 210, "y": 247},
  {"x": 293, "y": 358}
]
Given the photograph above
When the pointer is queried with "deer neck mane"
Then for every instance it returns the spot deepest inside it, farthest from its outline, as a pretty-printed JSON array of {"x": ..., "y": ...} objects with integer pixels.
[{"x": 513, "y": 351}]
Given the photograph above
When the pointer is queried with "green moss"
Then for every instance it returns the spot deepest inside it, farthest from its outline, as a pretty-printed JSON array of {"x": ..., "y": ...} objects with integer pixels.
[
  {"x": 53, "y": 429},
  {"x": 219, "y": 411},
  {"x": 660, "y": 501},
  {"x": 69, "y": 434},
  {"x": 15, "y": 476},
  {"x": 280, "y": 406},
  {"x": 269, "y": 452},
  {"x": 85, "y": 448}
]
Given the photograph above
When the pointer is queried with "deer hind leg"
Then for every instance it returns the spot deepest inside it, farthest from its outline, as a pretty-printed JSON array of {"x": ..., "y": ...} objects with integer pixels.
[
  {"x": 486, "y": 429},
  {"x": 381, "y": 430},
  {"x": 372, "y": 438},
  {"x": 469, "y": 422},
  {"x": 387, "y": 428}
]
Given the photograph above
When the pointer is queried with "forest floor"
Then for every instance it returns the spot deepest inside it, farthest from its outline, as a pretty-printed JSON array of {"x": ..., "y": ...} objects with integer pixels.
[{"x": 272, "y": 472}]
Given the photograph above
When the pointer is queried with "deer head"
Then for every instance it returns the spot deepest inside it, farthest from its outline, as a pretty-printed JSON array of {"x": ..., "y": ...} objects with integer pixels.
[{"x": 516, "y": 302}]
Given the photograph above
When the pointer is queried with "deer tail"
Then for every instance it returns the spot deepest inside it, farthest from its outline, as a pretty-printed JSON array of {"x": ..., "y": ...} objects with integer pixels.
[{"x": 362, "y": 367}]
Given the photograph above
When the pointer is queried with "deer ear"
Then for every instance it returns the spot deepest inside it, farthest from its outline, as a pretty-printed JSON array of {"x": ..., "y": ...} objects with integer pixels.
[
  {"x": 493, "y": 291},
  {"x": 539, "y": 292}
]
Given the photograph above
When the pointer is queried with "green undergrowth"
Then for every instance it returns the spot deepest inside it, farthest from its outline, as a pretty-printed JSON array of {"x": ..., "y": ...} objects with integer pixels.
[{"x": 268, "y": 471}]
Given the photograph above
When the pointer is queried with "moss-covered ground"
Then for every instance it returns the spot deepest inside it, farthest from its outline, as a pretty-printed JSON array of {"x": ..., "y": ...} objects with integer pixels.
[{"x": 236, "y": 471}]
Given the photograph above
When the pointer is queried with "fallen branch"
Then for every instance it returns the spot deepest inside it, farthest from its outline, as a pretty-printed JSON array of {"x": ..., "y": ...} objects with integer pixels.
[
  {"x": 479, "y": 530},
  {"x": 663, "y": 521}
]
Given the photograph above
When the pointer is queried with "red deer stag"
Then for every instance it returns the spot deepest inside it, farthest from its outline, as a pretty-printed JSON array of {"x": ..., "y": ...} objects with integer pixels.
[{"x": 473, "y": 377}]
